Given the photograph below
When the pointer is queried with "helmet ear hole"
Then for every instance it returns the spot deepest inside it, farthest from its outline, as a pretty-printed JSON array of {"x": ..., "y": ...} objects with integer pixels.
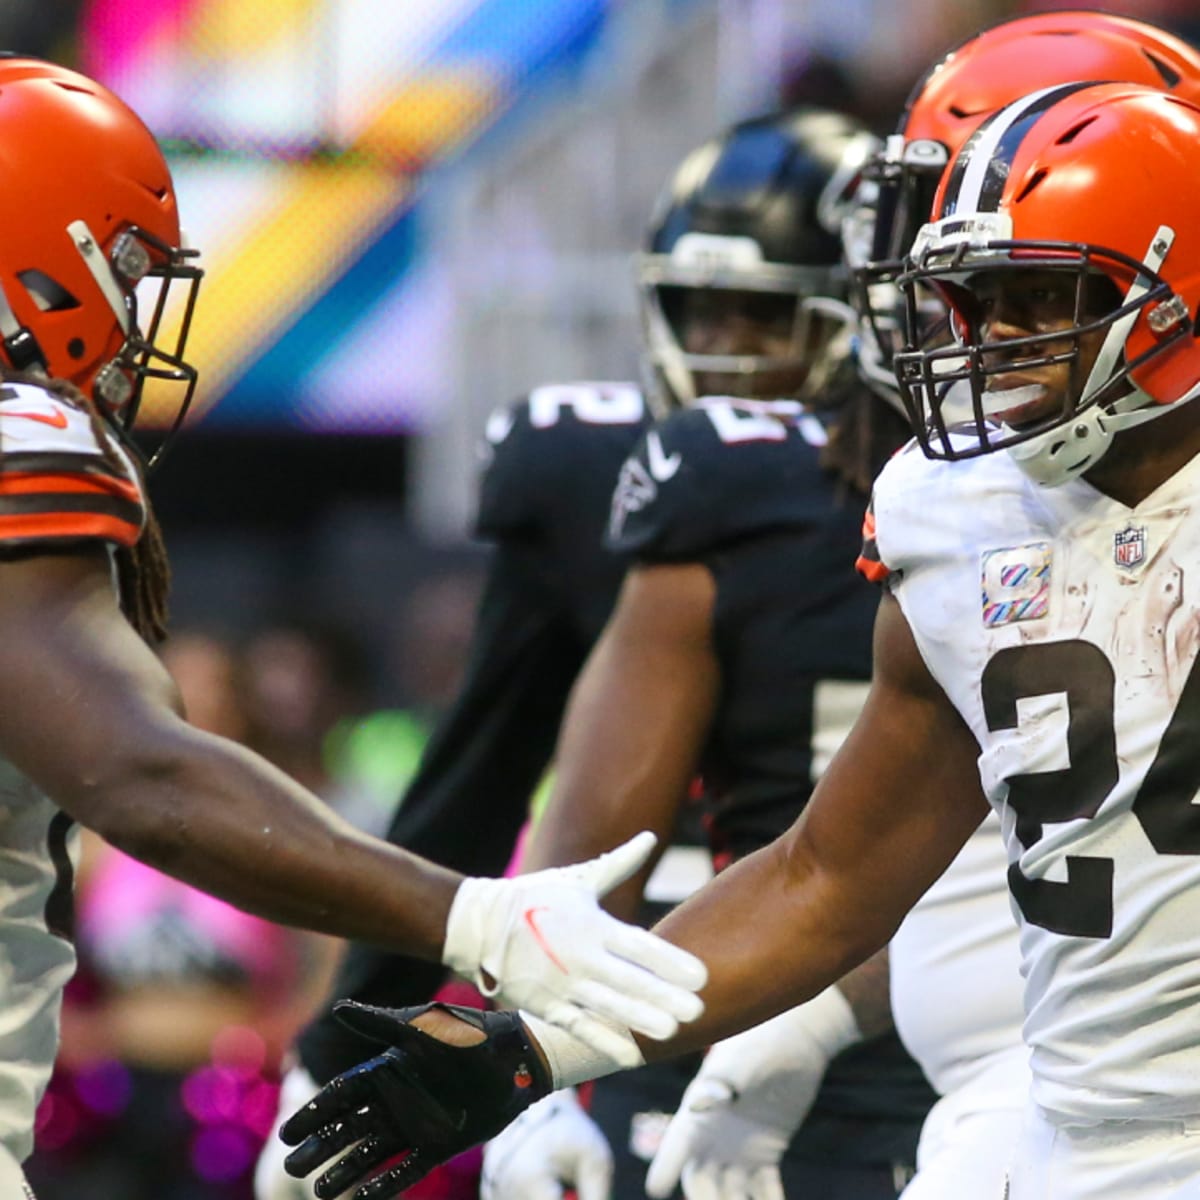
[
  {"x": 47, "y": 293},
  {"x": 1170, "y": 76}
]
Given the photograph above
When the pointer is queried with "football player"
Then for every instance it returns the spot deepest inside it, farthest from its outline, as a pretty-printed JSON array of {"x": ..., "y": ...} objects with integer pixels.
[
  {"x": 1035, "y": 649},
  {"x": 739, "y": 648},
  {"x": 954, "y": 960},
  {"x": 90, "y": 728},
  {"x": 551, "y": 461}
]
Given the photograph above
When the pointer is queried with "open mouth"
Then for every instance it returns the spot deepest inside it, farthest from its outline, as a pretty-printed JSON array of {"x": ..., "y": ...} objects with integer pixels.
[{"x": 1016, "y": 406}]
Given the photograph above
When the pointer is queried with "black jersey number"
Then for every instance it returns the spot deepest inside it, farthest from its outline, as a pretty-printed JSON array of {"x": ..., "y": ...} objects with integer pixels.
[{"x": 1083, "y": 904}]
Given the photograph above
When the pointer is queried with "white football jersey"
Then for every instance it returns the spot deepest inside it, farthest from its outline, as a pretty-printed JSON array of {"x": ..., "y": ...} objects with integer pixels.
[
  {"x": 956, "y": 968},
  {"x": 1064, "y": 628},
  {"x": 38, "y": 848}
]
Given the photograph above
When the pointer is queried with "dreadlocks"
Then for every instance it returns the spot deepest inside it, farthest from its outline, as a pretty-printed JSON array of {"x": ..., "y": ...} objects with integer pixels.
[
  {"x": 867, "y": 433},
  {"x": 143, "y": 570}
]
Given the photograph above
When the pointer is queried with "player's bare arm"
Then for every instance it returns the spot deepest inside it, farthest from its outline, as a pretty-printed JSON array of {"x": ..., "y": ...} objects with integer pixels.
[
  {"x": 898, "y": 801},
  {"x": 635, "y": 725},
  {"x": 632, "y": 735},
  {"x": 93, "y": 719}
]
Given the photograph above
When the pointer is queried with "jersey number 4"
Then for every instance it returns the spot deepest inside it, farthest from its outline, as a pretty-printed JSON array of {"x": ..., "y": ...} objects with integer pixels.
[{"x": 1083, "y": 905}]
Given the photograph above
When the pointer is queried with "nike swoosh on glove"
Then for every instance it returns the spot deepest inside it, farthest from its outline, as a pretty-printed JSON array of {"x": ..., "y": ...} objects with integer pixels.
[
  {"x": 551, "y": 1144},
  {"x": 422, "y": 1099},
  {"x": 544, "y": 944},
  {"x": 749, "y": 1097}
]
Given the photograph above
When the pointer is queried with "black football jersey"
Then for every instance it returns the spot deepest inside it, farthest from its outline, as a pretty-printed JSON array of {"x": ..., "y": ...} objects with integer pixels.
[
  {"x": 739, "y": 487},
  {"x": 544, "y": 501}
]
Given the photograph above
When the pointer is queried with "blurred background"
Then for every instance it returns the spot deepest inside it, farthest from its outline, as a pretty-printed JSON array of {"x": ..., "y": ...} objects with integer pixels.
[{"x": 410, "y": 212}]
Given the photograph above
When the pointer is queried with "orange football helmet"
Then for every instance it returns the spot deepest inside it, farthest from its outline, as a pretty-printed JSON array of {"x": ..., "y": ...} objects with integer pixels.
[
  {"x": 986, "y": 72},
  {"x": 1094, "y": 182},
  {"x": 87, "y": 211}
]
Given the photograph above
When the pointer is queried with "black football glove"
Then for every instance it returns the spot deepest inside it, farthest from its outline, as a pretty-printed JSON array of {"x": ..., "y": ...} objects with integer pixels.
[{"x": 421, "y": 1098}]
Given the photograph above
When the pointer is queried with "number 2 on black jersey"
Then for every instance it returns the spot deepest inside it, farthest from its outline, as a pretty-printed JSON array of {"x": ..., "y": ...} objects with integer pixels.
[{"x": 1083, "y": 905}]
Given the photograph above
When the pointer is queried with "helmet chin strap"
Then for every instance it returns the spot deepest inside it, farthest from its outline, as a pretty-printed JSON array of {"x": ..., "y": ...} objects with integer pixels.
[
  {"x": 1066, "y": 452},
  {"x": 1114, "y": 341}
]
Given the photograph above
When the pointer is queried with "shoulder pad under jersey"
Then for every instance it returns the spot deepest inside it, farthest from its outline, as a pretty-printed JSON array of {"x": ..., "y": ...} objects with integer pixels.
[
  {"x": 63, "y": 478},
  {"x": 537, "y": 450},
  {"x": 920, "y": 507},
  {"x": 718, "y": 472}
]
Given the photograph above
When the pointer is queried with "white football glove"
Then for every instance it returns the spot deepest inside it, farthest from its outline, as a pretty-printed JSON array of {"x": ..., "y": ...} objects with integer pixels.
[
  {"x": 271, "y": 1181},
  {"x": 551, "y": 1145},
  {"x": 543, "y": 943},
  {"x": 749, "y": 1097}
]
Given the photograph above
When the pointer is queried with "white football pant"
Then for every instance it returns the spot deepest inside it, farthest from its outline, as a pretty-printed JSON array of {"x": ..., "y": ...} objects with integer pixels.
[{"x": 1115, "y": 1160}]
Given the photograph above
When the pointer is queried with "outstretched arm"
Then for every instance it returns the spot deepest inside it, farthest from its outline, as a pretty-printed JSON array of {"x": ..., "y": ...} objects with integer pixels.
[
  {"x": 89, "y": 714},
  {"x": 899, "y": 800},
  {"x": 91, "y": 717}
]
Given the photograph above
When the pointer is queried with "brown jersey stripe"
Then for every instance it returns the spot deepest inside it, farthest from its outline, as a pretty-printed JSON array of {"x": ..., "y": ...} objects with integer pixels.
[
  {"x": 43, "y": 462},
  {"x": 71, "y": 502}
]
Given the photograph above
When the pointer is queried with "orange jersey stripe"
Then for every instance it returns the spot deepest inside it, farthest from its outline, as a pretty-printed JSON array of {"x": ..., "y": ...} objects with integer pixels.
[
  {"x": 876, "y": 572},
  {"x": 62, "y": 526},
  {"x": 18, "y": 483},
  {"x": 868, "y": 529}
]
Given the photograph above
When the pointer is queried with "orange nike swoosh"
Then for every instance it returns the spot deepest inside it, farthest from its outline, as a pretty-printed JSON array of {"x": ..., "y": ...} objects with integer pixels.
[
  {"x": 530, "y": 915},
  {"x": 56, "y": 420}
]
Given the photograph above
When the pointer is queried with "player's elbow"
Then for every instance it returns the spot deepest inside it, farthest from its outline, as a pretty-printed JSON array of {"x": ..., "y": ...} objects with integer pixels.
[{"x": 130, "y": 795}]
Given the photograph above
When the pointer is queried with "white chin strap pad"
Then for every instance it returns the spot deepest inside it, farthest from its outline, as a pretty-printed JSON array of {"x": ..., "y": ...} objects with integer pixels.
[{"x": 1065, "y": 452}]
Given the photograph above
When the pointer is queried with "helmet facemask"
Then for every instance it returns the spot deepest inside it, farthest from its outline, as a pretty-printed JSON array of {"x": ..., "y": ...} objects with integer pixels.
[
  {"x": 143, "y": 272},
  {"x": 742, "y": 288},
  {"x": 984, "y": 73},
  {"x": 726, "y": 281},
  {"x": 949, "y": 387},
  {"x": 894, "y": 203}
]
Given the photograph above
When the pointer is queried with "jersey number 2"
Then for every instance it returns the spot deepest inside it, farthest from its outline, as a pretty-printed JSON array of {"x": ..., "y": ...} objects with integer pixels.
[{"x": 1083, "y": 904}]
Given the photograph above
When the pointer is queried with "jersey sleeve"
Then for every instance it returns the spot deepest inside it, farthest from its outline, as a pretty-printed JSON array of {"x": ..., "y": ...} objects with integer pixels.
[
  {"x": 510, "y": 487},
  {"x": 535, "y": 449},
  {"x": 911, "y": 517},
  {"x": 58, "y": 483},
  {"x": 713, "y": 475},
  {"x": 870, "y": 566},
  {"x": 470, "y": 796}
]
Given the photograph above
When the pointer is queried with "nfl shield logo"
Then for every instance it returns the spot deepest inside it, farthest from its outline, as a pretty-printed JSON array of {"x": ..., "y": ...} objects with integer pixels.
[{"x": 1129, "y": 547}]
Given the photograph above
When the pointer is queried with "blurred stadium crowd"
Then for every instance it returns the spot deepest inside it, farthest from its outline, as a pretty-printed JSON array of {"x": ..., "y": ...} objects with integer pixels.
[{"x": 324, "y": 602}]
